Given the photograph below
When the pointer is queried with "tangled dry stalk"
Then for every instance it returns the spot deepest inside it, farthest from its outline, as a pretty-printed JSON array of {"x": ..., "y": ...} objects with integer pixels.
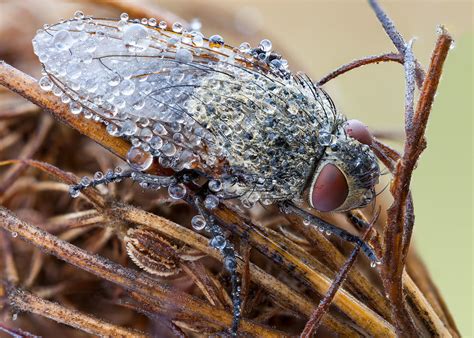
[{"x": 287, "y": 267}]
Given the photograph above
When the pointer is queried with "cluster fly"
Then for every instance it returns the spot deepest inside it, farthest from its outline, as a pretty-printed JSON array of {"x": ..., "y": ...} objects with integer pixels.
[{"x": 236, "y": 118}]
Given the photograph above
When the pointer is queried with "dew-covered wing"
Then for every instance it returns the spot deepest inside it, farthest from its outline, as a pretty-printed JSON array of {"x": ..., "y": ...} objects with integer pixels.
[{"x": 191, "y": 101}]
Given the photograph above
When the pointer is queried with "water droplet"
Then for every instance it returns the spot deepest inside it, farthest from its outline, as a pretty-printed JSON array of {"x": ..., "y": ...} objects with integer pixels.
[
  {"x": 198, "y": 222},
  {"x": 245, "y": 47},
  {"x": 218, "y": 242},
  {"x": 373, "y": 264},
  {"x": 98, "y": 176},
  {"x": 139, "y": 104},
  {"x": 325, "y": 138},
  {"x": 198, "y": 40},
  {"x": 136, "y": 38},
  {"x": 74, "y": 70},
  {"x": 156, "y": 142},
  {"x": 124, "y": 16},
  {"x": 14, "y": 235},
  {"x": 215, "y": 185},
  {"x": 168, "y": 149},
  {"x": 127, "y": 87},
  {"x": 78, "y": 15},
  {"x": 230, "y": 264},
  {"x": 63, "y": 40},
  {"x": 15, "y": 316},
  {"x": 129, "y": 128},
  {"x": 45, "y": 83},
  {"x": 177, "y": 191},
  {"x": 112, "y": 129},
  {"x": 163, "y": 25},
  {"x": 184, "y": 55},
  {"x": 177, "y": 27},
  {"x": 65, "y": 98},
  {"x": 159, "y": 129},
  {"x": 152, "y": 22},
  {"x": 211, "y": 202},
  {"x": 85, "y": 181},
  {"x": 73, "y": 191},
  {"x": 139, "y": 159},
  {"x": 114, "y": 81},
  {"x": 266, "y": 45},
  {"x": 75, "y": 107},
  {"x": 146, "y": 134},
  {"x": 216, "y": 42}
]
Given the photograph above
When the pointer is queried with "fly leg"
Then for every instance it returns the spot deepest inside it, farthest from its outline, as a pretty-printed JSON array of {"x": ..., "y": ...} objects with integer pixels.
[
  {"x": 145, "y": 180},
  {"x": 328, "y": 228},
  {"x": 227, "y": 249}
]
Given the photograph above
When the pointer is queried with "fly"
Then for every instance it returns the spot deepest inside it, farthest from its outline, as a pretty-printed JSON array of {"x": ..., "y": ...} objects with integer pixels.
[{"x": 238, "y": 117}]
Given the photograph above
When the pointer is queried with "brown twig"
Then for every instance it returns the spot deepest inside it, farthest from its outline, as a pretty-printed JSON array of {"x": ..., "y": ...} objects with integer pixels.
[
  {"x": 396, "y": 38},
  {"x": 21, "y": 300},
  {"x": 315, "y": 320},
  {"x": 399, "y": 228},
  {"x": 133, "y": 215},
  {"x": 127, "y": 278}
]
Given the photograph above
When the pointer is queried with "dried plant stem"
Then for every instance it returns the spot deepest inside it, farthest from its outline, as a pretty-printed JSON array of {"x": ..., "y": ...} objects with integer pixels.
[
  {"x": 421, "y": 277},
  {"x": 28, "y": 87},
  {"x": 28, "y": 151},
  {"x": 315, "y": 320},
  {"x": 428, "y": 303},
  {"x": 21, "y": 300},
  {"x": 9, "y": 267},
  {"x": 396, "y": 236},
  {"x": 423, "y": 309},
  {"x": 396, "y": 38},
  {"x": 334, "y": 258},
  {"x": 16, "y": 333},
  {"x": 373, "y": 323},
  {"x": 127, "y": 278}
]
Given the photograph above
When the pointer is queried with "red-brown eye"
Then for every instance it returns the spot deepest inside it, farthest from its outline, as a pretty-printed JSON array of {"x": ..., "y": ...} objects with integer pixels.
[
  {"x": 330, "y": 189},
  {"x": 359, "y": 131}
]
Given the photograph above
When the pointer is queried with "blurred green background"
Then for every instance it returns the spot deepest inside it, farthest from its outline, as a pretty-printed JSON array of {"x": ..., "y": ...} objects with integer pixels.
[{"x": 318, "y": 36}]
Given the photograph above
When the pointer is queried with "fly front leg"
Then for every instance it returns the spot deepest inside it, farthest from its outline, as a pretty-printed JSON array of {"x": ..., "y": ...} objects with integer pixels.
[
  {"x": 330, "y": 229},
  {"x": 227, "y": 249}
]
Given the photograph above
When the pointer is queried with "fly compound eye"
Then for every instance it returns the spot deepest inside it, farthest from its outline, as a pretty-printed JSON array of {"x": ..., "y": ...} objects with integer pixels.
[
  {"x": 329, "y": 190},
  {"x": 358, "y": 131}
]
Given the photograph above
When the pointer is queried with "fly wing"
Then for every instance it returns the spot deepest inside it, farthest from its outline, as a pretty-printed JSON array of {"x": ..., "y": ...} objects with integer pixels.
[{"x": 191, "y": 101}]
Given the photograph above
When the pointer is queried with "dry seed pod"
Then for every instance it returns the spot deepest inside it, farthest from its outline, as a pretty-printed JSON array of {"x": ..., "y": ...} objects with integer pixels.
[
  {"x": 156, "y": 254},
  {"x": 151, "y": 252}
]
